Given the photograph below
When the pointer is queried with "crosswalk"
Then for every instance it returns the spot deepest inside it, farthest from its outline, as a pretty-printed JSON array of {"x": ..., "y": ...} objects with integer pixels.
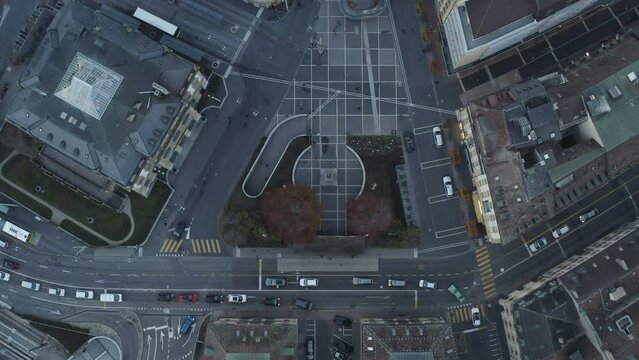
[
  {"x": 461, "y": 313},
  {"x": 485, "y": 272},
  {"x": 206, "y": 246},
  {"x": 170, "y": 246},
  {"x": 495, "y": 346}
]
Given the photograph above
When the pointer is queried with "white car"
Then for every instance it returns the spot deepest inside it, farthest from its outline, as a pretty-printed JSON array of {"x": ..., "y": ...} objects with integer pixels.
[
  {"x": 448, "y": 186},
  {"x": 538, "y": 245},
  {"x": 4, "y": 276},
  {"x": 563, "y": 230},
  {"x": 84, "y": 294},
  {"x": 476, "y": 316},
  {"x": 30, "y": 285},
  {"x": 427, "y": 284},
  {"x": 438, "y": 137},
  {"x": 309, "y": 282},
  {"x": 236, "y": 298},
  {"x": 57, "y": 291}
]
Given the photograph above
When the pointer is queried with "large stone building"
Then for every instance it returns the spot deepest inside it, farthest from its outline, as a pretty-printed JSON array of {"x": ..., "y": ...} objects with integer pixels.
[
  {"x": 104, "y": 95},
  {"x": 541, "y": 145},
  {"x": 477, "y": 29},
  {"x": 583, "y": 308}
]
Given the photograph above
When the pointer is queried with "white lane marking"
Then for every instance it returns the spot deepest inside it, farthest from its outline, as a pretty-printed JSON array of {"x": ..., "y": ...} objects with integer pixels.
[
  {"x": 243, "y": 43},
  {"x": 442, "y": 247}
]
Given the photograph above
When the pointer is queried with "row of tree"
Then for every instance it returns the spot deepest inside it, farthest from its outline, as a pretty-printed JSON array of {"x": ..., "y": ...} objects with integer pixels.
[{"x": 293, "y": 213}]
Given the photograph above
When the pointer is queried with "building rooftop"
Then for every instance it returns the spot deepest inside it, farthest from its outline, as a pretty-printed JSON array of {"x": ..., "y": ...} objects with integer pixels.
[
  {"x": 89, "y": 91},
  {"x": 489, "y": 15}
]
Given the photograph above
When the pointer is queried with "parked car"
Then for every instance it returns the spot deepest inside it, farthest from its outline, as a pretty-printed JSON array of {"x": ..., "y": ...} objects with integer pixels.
[
  {"x": 57, "y": 291},
  {"x": 588, "y": 215},
  {"x": 214, "y": 298},
  {"x": 438, "y": 137},
  {"x": 304, "y": 304},
  {"x": 448, "y": 186},
  {"x": 168, "y": 297},
  {"x": 343, "y": 346},
  {"x": 4, "y": 276},
  {"x": 339, "y": 356},
  {"x": 476, "y": 316},
  {"x": 31, "y": 285},
  {"x": 427, "y": 284},
  {"x": 563, "y": 230},
  {"x": 187, "y": 324},
  {"x": 277, "y": 282},
  {"x": 10, "y": 264},
  {"x": 309, "y": 282},
  {"x": 272, "y": 301},
  {"x": 108, "y": 297},
  {"x": 236, "y": 298},
  {"x": 408, "y": 139},
  {"x": 189, "y": 297},
  {"x": 310, "y": 348},
  {"x": 342, "y": 321},
  {"x": 396, "y": 283},
  {"x": 362, "y": 281},
  {"x": 84, "y": 294},
  {"x": 538, "y": 245},
  {"x": 4, "y": 244}
]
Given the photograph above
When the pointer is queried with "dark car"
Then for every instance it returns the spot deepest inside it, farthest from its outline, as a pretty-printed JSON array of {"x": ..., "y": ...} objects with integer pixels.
[
  {"x": 11, "y": 265},
  {"x": 214, "y": 298},
  {"x": 304, "y": 304},
  {"x": 277, "y": 282},
  {"x": 187, "y": 298},
  {"x": 272, "y": 301},
  {"x": 178, "y": 232},
  {"x": 166, "y": 297},
  {"x": 408, "y": 140},
  {"x": 342, "y": 321},
  {"x": 343, "y": 346}
]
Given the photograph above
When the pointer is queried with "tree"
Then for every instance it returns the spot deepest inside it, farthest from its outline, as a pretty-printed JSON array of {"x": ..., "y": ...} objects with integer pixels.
[
  {"x": 369, "y": 215},
  {"x": 292, "y": 213}
]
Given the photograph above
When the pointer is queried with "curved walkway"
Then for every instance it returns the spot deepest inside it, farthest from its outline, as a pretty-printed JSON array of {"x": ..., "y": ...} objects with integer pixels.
[
  {"x": 359, "y": 14},
  {"x": 272, "y": 152}
]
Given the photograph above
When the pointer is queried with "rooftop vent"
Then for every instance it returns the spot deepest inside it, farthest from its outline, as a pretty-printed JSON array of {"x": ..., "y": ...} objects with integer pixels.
[
  {"x": 632, "y": 76},
  {"x": 598, "y": 106},
  {"x": 614, "y": 92},
  {"x": 624, "y": 324}
]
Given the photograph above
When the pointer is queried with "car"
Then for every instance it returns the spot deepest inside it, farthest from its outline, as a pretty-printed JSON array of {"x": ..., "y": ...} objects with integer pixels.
[
  {"x": 396, "y": 283},
  {"x": 561, "y": 231},
  {"x": 108, "y": 297},
  {"x": 408, "y": 139},
  {"x": 342, "y": 321},
  {"x": 4, "y": 244},
  {"x": 438, "y": 137},
  {"x": 427, "y": 284},
  {"x": 214, "y": 298},
  {"x": 304, "y": 304},
  {"x": 310, "y": 348},
  {"x": 272, "y": 301},
  {"x": 448, "y": 186},
  {"x": 236, "y": 298},
  {"x": 362, "y": 281},
  {"x": 31, "y": 285},
  {"x": 10, "y": 264},
  {"x": 4, "y": 276},
  {"x": 168, "y": 297},
  {"x": 277, "y": 282},
  {"x": 57, "y": 291},
  {"x": 588, "y": 215},
  {"x": 453, "y": 290},
  {"x": 476, "y": 316},
  {"x": 84, "y": 294},
  {"x": 309, "y": 282},
  {"x": 343, "y": 346},
  {"x": 178, "y": 232},
  {"x": 537, "y": 245},
  {"x": 188, "y": 297},
  {"x": 340, "y": 356},
  {"x": 187, "y": 324}
]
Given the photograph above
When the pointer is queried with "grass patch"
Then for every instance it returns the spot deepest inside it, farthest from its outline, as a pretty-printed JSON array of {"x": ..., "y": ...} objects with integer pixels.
[
  {"x": 26, "y": 201},
  {"x": 242, "y": 222},
  {"x": 106, "y": 221},
  {"x": 146, "y": 210},
  {"x": 71, "y": 337},
  {"x": 82, "y": 234}
]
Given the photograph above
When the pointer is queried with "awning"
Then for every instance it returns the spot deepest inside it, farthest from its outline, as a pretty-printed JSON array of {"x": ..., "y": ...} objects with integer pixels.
[{"x": 479, "y": 211}]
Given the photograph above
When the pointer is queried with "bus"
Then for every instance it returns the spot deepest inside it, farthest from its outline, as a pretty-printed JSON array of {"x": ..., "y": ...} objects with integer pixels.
[
  {"x": 16, "y": 232},
  {"x": 156, "y": 21}
]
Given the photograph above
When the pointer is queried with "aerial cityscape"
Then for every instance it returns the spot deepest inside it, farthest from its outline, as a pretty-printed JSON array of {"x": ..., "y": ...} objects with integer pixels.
[{"x": 319, "y": 179}]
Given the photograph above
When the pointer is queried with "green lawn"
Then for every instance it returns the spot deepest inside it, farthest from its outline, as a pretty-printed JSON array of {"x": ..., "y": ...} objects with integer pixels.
[
  {"x": 146, "y": 210},
  {"x": 106, "y": 221},
  {"x": 82, "y": 234}
]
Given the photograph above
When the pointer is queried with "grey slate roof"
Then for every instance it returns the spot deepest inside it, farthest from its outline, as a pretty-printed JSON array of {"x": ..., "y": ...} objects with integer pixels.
[{"x": 110, "y": 143}]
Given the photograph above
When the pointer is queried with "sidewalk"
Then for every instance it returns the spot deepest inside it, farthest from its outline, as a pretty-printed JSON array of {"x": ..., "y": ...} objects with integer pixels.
[{"x": 370, "y": 253}]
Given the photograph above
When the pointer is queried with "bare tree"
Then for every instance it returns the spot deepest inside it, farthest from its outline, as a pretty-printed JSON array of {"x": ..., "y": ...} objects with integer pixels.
[{"x": 292, "y": 213}]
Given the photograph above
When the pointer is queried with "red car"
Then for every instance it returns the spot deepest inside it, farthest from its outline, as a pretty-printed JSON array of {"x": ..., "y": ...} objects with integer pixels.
[{"x": 187, "y": 298}]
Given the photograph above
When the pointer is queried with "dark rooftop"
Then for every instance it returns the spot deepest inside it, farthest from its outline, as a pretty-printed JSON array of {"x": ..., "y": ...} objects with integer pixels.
[
  {"x": 489, "y": 15},
  {"x": 88, "y": 91}
]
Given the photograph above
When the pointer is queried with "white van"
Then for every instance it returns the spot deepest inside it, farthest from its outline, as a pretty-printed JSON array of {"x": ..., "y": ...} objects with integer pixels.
[
  {"x": 438, "y": 137},
  {"x": 31, "y": 285},
  {"x": 111, "y": 297}
]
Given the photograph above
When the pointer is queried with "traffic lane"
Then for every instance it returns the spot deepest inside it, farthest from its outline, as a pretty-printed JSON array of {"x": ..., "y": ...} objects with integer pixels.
[
  {"x": 162, "y": 338},
  {"x": 435, "y": 267}
]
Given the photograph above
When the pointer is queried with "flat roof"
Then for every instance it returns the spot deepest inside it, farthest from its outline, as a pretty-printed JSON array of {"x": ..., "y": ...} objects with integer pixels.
[{"x": 486, "y": 16}]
